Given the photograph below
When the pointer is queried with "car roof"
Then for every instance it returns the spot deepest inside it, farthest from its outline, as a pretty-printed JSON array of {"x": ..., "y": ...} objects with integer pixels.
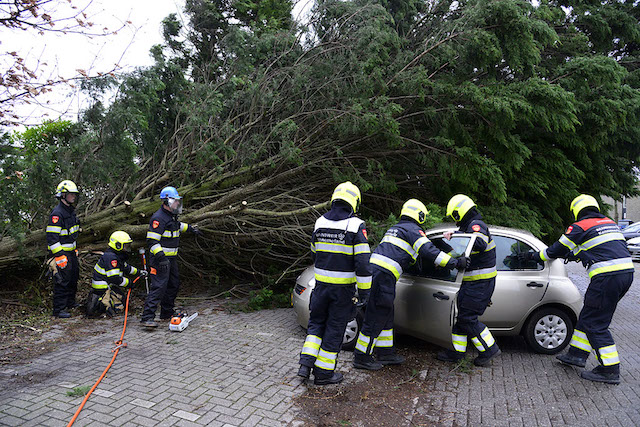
[{"x": 443, "y": 226}]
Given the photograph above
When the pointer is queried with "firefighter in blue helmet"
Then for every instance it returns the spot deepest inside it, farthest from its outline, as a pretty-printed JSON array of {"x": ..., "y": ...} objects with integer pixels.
[
  {"x": 62, "y": 233},
  {"x": 340, "y": 250},
  {"x": 400, "y": 247},
  {"x": 478, "y": 283},
  {"x": 109, "y": 284},
  {"x": 597, "y": 241},
  {"x": 163, "y": 239}
]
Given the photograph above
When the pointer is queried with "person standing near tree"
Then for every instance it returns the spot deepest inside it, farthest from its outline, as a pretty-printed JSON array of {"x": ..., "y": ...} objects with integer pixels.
[
  {"x": 62, "y": 234},
  {"x": 163, "y": 239},
  {"x": 340, "y": 250}
]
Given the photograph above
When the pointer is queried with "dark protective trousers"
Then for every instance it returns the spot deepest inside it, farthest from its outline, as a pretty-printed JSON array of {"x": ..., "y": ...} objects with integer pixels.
[
  {"x": 331, "y": 306},
  {"x": 379, "y": 312},
  {"x": 163, "y": 290},
  {"x": 473, "y": 298},
  {"x": 600, "y": 302},
  {"x": 65, "y": 284}
]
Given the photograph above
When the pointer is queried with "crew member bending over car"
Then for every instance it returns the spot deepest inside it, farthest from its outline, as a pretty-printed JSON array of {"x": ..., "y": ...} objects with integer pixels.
[
  {"x": 400, "y": 247},
  {"x": 597, "y": 241},
  {"x": 478, "y": 283}
]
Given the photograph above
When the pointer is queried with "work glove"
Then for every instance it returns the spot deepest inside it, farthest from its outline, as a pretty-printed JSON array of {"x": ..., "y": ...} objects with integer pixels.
[
  {"x": 61, "y": 261},
  {"x": 524, "y": 257},
  {"x": 363, "y": 297},
  {"x": 462, "y": 263},
  {"x": 197, "y": 231}
]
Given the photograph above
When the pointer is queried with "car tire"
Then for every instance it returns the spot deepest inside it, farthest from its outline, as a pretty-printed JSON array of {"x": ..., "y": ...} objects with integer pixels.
[
  {"x": 351, "y": 333},
  {"x": 548, "y": 330}
]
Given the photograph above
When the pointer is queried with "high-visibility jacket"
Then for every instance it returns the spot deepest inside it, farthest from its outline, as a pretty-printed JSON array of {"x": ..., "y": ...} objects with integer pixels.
[
  {"x": 401, "y": 246},
  {"x": 597, "y": 241},
  {"x": 163, "y": 237},
  {"x": 340, "y": 249},
  {"x": 110, "y": 270},
  {"x": 483, "y": 253},
  {"x": 62, "y": 230}
]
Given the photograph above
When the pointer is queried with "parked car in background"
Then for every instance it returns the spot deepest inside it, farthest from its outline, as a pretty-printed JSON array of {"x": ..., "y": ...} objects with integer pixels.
[
  {"x": 634, "y": 248},
  {"x": 538, "y": 301},
  {"x": 631, "y": 231}
]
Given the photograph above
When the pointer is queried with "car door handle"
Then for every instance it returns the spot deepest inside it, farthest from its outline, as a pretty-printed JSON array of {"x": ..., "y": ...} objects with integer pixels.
[
  {"x": 440, "y": 296},
  {"x": 535, "y": 284}
]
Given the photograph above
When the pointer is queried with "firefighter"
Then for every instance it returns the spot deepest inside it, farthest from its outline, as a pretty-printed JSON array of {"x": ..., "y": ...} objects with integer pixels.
[
  {"x": 401, "y": 246},
  {"x": 163, "y": 239},
  {"x": 597, "y": 241},
  {"x": 109, "y": 283},
  {"x": 62, "y": 233},
  {"x": 341, "y": 252},
  {"x": 478, "y": 283}
]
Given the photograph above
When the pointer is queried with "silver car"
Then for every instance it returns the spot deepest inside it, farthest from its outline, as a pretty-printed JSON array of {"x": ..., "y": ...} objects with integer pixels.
[
  {"x": 530, "y": 299},
  {"x": 634, "y": 247}
]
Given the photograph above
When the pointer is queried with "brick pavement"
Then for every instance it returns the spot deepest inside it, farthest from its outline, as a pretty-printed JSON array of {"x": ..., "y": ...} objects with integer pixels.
[{"x": 239, "y": 369}]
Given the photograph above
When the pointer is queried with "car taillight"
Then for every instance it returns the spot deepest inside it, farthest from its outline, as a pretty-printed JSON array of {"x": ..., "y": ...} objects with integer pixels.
[{"x": 299, "y": 289}]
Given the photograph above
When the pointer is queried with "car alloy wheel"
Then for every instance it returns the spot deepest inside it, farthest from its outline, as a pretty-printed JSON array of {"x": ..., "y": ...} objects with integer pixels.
[{"x": 548, "y": 330}]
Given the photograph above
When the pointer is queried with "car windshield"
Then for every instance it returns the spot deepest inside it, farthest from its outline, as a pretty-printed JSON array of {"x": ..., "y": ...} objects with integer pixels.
[{"x": 455, "y": 247}]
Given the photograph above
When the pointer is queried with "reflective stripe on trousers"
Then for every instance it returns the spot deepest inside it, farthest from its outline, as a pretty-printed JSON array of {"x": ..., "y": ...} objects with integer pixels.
[
  {"x": 579, "y": 340},
  {"x": 326, "y": 360},
  {"x": 311, "y": 345}
]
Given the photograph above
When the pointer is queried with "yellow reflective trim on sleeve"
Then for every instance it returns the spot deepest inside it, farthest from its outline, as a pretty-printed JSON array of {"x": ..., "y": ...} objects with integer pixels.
[
  {"x": 53, "y": 229},
  {"x": 184, "y": 227},
  {"x": 153, "y": 236}
]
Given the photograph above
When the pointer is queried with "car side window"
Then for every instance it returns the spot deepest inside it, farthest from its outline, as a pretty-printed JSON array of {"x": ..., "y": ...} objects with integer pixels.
[
  {"x": 507, "y": 250},
  {"x": 454, "y": 247}
]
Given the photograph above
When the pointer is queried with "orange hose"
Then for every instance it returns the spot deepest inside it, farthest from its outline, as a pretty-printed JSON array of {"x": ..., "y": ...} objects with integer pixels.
[{"x": 115, "y": 354}]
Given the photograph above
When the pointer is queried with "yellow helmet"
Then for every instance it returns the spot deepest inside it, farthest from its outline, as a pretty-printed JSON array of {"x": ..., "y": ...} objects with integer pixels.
[
  {"x": 458, "y": 206},
  {"x": 349, "y": 193},
  {"x": 414, "y": 208},
  {"x": 118, "y": 239},
  {"x": 581, "y": 202},
  {"x": 66, "y": 186}
]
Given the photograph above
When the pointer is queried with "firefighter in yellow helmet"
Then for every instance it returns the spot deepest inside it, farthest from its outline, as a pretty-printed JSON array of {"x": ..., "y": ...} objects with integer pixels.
[
  {"x": 62, "y": 232},
  {"x": 478, "y": 283},
  {"x": 340, "y": 252},
  {"x": 109, "y": 283},
  {"x": 400, "y": 247},
  {"x": 597, "y": 241}
]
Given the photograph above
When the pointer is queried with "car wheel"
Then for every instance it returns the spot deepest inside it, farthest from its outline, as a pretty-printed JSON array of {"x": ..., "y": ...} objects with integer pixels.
[
  {"x": 351, "y": 332},
  {"x": 548, "y": 330}
]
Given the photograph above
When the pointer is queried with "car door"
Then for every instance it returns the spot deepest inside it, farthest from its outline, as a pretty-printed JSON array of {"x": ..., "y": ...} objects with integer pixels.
[
  {"x": 426, "y": 295},
  {"x": 519, "y": 286}
]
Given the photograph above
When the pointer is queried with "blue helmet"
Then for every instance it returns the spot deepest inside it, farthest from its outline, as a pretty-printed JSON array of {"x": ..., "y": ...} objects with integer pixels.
[{"x": 169, "y": 192}]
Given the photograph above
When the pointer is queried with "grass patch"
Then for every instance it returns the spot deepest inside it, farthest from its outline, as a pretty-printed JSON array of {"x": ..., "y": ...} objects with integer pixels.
[{"x": 79, "y": 391}]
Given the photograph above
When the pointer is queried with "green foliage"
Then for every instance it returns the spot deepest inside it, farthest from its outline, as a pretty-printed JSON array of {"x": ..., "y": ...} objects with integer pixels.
[
  {"x": 266, "y": 299},
  {"x": 79, "y": 391}
]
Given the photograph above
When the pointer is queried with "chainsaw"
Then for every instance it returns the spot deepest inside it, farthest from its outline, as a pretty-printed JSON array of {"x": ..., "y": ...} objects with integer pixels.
[{"x": 180, "y": 322}]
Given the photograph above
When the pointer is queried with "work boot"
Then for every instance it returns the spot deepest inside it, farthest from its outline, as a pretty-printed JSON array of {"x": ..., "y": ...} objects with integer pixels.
[
  {"x": 603, "y": 374},
  {"x": 62, "y": 314},
  {"x": 336, "y": 378},
  {"x": 365, "y": 361},
  {"x": 304, "y": 371},
  {"x": 149, "y": 323},
  {"x": 575, "y": 358},
  {"x": 485, "y": 357},
  {"x": 449, "y": 355},
  {"x": 165, "y": 316},
  {"x": 390, "y": 359}
]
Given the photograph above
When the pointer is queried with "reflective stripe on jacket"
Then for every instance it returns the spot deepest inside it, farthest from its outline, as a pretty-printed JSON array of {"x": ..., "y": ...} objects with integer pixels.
[
  {"x": 62, "y": 229},
  {"x": 483, "y": 253},
  {"x": 401, "y": 246},
  {"x": 164, "y": 232},
  {"x": 341, "y": 250},
  {"x": 110, "y": 270},
  {"x": 597, "y": 241}
]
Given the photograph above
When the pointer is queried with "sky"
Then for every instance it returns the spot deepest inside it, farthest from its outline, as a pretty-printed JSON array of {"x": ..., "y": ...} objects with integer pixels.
[{"x": 56, "y": 55}]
